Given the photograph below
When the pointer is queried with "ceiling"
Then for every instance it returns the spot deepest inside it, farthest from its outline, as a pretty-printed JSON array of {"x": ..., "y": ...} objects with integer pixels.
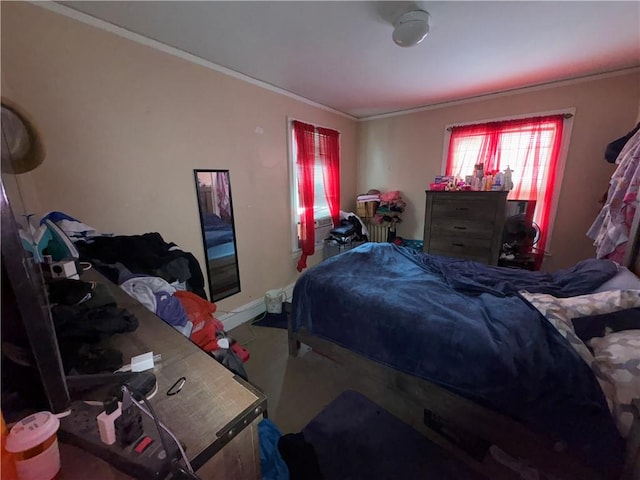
[{"x": 340, "y": 54}]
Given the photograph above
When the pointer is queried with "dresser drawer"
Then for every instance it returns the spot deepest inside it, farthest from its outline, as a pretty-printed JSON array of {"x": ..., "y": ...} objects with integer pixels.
[
  {"x": 465, "y": 224},
  {"x": 461, "y": 247},
  {"x": 460, "y": 226},
  {"x": 461, "y": 207}
]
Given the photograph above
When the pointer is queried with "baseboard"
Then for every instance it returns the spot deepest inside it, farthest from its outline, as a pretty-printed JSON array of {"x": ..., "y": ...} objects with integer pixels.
[
  {"x": 289, "y": 291},
  {"x": 249, "y": 311}
]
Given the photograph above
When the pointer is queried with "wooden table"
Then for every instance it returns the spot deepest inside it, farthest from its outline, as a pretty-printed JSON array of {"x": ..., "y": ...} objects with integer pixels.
[{"x": 215, "y": 415}]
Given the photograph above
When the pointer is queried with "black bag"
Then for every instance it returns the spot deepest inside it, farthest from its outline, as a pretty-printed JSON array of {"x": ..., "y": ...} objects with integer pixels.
[{"x": 344, "y": 230}]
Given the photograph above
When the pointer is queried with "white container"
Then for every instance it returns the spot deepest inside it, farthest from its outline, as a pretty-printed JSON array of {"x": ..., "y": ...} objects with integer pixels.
[
  {"x": 273, "y": 300},
  {"x": 33, "y": 443}
]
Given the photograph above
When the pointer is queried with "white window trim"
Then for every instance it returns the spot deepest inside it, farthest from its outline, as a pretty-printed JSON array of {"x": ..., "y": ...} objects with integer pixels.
[
  {"x": 293, "y": 193},
  {"x": 562, "y": 160}
]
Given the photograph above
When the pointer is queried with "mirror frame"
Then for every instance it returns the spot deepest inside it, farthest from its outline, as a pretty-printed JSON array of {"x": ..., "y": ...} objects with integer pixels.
[{"x": 226, "y": 294}]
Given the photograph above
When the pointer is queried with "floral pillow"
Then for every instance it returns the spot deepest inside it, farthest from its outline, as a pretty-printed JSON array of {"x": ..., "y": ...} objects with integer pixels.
[
  {"x": 556, "y": 313},
  {"x": 561, "y": 311},
  {"x": 617, "y": 367}
]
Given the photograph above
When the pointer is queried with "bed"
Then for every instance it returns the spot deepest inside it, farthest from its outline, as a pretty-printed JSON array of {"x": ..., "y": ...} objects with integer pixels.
[
  {"x": 217, "y": 232},
  {"x": 482, "y": 363}
]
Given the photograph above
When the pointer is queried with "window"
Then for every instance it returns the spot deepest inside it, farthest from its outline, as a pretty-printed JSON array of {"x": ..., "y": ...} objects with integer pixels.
[
  {"x": 315, "y": 182},
  {"x": 320, "y": 204},
  {"x": 530, "y": 147}
]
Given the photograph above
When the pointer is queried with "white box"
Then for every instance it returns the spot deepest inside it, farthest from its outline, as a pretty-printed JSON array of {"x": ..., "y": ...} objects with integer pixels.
[{"x": 64, "y": 269}]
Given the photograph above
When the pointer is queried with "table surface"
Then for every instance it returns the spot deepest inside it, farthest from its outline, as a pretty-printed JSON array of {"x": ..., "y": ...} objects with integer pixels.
[{"x": 211, "y": 398}]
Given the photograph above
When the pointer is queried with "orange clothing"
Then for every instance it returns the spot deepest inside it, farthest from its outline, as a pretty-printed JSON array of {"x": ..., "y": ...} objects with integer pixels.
[{"x": 200, "y": 313}]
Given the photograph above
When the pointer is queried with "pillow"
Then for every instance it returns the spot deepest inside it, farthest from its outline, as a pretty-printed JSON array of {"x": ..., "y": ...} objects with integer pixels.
[
  {"x": 598, "y": 325},
  {"x": 617, "y": 367},
  {"x": 561, "y": 311},
  {"x": 605, "y": 362},
  {"x": 623, "y": 280},
  {"x": 584, "y": 305},
  {"x": 551, "y": 308}
]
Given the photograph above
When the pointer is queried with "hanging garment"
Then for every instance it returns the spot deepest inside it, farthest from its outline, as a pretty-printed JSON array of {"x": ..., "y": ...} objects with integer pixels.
[
  {"x": 224, "y": 204},
  {"x": 610, "y": 230},
  {"x": 613, "y": 150}
]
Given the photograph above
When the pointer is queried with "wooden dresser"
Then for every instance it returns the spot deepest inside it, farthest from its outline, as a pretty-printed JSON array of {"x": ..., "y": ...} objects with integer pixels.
[
  {"x": 465, "y": 224},
  {"x": 215, "y": 416}
]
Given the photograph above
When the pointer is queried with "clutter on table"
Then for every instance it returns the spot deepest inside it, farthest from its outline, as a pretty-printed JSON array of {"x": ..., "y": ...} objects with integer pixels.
[{"x": 480, "y": 181}]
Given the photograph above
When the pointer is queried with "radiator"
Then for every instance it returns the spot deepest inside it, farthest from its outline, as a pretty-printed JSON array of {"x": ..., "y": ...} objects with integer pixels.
[{"x": 377, "y": 232}]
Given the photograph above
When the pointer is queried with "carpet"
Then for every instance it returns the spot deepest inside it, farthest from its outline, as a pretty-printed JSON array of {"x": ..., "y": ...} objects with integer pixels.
[{"x": 356, "y": 439}]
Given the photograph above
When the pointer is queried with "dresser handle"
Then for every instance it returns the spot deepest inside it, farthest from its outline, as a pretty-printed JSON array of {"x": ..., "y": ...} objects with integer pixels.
[
  {"x": 458, "y": 244},
  {"x": 462, "y": 208},
  {"x": 459, "y": 228}
]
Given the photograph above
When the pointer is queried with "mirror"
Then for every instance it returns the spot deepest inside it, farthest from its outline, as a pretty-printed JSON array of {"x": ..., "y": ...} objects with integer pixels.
[{"x": 218, "y": 232}]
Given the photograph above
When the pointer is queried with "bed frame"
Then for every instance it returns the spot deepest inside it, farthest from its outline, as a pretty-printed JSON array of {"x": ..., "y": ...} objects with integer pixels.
[{"x": 467, "y": 429}]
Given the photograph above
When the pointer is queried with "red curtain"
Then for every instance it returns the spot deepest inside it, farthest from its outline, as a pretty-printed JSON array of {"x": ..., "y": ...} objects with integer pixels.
[
  {"x": 305, "y": 140},
  {"x": 530, "y": 147},
  {"x": 329, "y": 145},
  {"x": 470, "y": 145}
]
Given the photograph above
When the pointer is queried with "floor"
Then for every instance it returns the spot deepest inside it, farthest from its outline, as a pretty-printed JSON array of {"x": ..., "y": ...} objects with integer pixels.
[{"x": 297, "y": 389}]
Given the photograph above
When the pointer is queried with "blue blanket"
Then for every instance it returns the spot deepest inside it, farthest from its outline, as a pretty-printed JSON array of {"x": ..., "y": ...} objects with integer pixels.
[
  {"x": 216, "y": 230},
  {"x": 461, "y": 325},
  {"x": 218, "y": 236}
]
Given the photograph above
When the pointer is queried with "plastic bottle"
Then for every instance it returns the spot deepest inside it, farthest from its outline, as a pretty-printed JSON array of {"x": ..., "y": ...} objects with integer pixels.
[
  {"x": 508, "y": 183},
  {"x": 498, "y": 181},
  {"x": 489, "y": 182}
]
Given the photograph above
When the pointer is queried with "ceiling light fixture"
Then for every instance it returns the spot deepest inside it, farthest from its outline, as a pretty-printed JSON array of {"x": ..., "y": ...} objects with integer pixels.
[{"x": 411, "y": 28}]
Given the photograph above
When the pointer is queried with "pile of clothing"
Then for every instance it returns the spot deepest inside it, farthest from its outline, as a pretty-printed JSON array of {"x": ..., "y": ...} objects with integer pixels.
[
  {"x": 390, "y": 209},
  {"x": 84, "y": 315},
  {"x": 185, "y": 311},
  {"x": 165, "y": 279},
  {"x": 146, "y": 254}
]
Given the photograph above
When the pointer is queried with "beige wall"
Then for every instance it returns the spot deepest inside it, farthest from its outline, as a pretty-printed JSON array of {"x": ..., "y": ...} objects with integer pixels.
[
  {"x": 125, "y": 125},
  {"x": 405, "y": 152}
]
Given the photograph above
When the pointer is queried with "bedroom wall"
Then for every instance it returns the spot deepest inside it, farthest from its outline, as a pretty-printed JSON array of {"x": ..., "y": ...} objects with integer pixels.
[
  {"x": 405, "y": 152},
  {"x": 125, "y": 125}
]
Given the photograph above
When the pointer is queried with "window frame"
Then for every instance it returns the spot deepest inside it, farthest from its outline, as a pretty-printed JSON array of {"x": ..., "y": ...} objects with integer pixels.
[
  {"x": 562, "y": 159},
  {"x": 293, "y": 182}
]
